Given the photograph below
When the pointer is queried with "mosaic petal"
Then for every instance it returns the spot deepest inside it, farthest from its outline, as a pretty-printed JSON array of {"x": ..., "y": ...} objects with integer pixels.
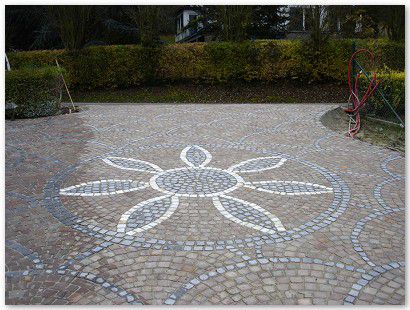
[
  {"x": 195, "y": 156},
  {"x": 258, "y": 164},
  {"x": 248, "y": 214},
  {"x": 147, "y": 214},
  {"x": 132, "y": 164},
  {"x": 103, "y": 187},
  {"x": 291, "y": 188}
]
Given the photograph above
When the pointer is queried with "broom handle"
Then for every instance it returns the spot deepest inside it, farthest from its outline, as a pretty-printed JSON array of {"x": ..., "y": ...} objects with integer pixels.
[
  {"x": 7, "y": 63},
  {"x": 66, "y": 86}
]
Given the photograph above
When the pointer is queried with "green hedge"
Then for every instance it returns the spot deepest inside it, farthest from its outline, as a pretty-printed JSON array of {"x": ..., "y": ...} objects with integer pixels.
[
  {"x": 393, "y": 87},
  {"x": 124, "y": 66},
  {"x": 36, "y": 91}
]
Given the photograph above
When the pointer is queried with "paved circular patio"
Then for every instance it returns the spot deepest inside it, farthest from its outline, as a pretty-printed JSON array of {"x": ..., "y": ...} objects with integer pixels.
[{"x": 200, "y": 204}]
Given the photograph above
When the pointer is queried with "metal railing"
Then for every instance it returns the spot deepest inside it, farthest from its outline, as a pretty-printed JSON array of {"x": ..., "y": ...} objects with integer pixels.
[
  {"x": 185, "y": 34},
  {"x": 379, "y": 92}
]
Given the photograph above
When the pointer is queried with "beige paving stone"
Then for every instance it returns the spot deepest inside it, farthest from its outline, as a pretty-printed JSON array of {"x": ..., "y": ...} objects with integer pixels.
[{"x": 200, "y": 204}]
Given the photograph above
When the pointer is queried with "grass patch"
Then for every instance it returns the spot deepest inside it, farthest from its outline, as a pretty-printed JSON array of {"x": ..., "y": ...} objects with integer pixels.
[{"x": 168, "y": 39}]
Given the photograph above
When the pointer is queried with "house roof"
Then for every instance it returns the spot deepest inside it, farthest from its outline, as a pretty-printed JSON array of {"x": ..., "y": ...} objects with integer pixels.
[{"x": 186, "y": 7}]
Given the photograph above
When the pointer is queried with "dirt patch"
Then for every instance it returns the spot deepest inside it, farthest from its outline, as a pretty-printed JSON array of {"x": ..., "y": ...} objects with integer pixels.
[
  {"x": 374, "y": 131},
  {"x": 283, "y": 92},
  {"x": 336, "y": 120},
  {"x": 70, "y": 109}
]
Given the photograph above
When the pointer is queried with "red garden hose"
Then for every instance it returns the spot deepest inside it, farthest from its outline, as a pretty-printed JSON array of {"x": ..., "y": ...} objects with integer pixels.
[{"x": 358, "y": 103}]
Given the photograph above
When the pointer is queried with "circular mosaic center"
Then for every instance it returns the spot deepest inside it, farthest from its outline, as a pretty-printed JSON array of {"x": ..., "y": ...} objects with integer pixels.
[{"x": 194, "y": 182}]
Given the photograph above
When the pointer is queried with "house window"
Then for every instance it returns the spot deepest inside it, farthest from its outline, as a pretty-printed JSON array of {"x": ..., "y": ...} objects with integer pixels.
[{"x": 179, "y": 23}]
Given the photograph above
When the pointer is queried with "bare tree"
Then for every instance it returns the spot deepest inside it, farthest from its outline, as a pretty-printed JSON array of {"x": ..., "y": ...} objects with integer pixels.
[
  {"x": 318, "y": 24},
  {"x": 148, "y": 19},
  {"x": 235, "y": 21},
  {"x": 225, "y": 22},
  {"x": 74, "y": 23},
  {"x": 395, "y": 22}
]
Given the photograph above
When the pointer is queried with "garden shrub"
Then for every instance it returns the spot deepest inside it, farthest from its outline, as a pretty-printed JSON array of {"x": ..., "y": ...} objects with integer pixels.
[
  {"x": 124, "y": 66},
  {"x": 227, "y": 61},
  {"x": 182, "y": 63},
  {"x": 36, "y": 59},
  {"x": 110, "y": 66},
  {"x": 387, "y": 53},
  {"x": 393, "y": 87},
  {"x": 282, "y": 59},
  {"x": 35, "y": 91}
]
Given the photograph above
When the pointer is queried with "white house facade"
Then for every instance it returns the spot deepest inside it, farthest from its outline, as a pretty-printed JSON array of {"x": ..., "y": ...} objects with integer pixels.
[{"x": 184, "y": 16}]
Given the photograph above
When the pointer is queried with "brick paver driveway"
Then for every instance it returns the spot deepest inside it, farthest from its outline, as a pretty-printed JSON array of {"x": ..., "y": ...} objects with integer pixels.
[{"x": 200, "y": 204}]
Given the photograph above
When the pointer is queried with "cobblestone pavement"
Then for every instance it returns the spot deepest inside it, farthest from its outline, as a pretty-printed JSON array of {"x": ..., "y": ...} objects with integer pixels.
[{"x": 200, "y": 204}]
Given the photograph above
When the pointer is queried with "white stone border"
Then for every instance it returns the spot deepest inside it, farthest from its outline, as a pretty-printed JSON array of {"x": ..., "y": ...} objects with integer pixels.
[
  {"x": 122, "y": 223},
  {"x": 253, "y": 185},
  {"x": 275, "y": 220},
  {"x": 154, "y": 185},
  {"x": 186, "y": 160},
  {"x": 277, "y": 165},
  {"x": 155, "y": 167},
  {"x": 65, "y": 192}
]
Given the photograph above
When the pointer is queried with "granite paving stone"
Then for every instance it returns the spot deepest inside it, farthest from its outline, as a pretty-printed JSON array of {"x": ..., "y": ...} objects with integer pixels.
[{"x": 200, "y": 204}]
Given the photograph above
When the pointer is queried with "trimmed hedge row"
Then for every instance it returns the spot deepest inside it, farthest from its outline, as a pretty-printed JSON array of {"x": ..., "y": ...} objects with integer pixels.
[
  {"x": 124, "y": 66},
  {"x": 393, "y": 87},
  {"x": 36, "y": 91}
]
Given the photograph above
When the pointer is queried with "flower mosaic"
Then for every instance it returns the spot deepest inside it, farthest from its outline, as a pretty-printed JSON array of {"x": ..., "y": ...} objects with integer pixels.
[{"x": 197, "y": 180}]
